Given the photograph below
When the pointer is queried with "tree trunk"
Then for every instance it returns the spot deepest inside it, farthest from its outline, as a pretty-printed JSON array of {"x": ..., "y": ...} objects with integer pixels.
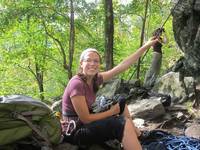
[
  {"x": 71, "y": 39},
  {"x": 142, "y": 37},
  {"x": 38, "y": 74},
  {"x": 109, "y": 32},
  {"x": 39, "y": 77}
]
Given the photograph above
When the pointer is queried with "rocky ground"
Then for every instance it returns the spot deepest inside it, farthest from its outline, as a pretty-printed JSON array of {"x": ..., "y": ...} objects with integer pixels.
[{"x": 177, "y": 120}]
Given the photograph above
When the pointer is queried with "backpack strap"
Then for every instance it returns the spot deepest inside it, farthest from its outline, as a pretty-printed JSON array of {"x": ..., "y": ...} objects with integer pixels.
[
  {"x": 35, "y": 112},
  {"x": 33, "y": 127}
]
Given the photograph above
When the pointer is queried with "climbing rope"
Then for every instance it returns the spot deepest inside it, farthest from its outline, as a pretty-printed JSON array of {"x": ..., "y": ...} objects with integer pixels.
[
  {"x": 160, "y": 30},
  {"x": 165, "y": 140},
  {"x": 181, "y": 143},
  {"x": 170, "y": 14}
]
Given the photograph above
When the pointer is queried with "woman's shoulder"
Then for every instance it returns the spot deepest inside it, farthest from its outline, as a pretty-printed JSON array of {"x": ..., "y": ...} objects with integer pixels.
[
  {"x": 76, "y": 80},
  {"x": 75, "y": 86}
]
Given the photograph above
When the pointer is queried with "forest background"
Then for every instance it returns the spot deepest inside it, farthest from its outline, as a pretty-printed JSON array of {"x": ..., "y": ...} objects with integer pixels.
[{"x": 41, "y": 41}]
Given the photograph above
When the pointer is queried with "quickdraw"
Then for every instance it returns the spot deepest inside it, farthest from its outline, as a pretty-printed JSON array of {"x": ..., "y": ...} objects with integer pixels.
[
  {"x": 160, "y": 33},
  {"x": 71, "y": 127}
]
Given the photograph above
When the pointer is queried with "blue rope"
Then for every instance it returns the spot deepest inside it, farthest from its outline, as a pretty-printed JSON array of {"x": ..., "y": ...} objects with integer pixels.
[
  {"x": 181, "y": 143},
  {"x": 171, "y": 142}
]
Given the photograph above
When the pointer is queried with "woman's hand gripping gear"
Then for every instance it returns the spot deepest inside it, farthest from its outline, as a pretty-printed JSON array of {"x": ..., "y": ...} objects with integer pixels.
[{"x": 121, "y": 100}]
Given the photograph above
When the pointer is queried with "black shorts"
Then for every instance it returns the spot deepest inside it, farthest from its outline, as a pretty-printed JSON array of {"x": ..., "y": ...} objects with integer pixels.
[{"x": 99, "y": 131}]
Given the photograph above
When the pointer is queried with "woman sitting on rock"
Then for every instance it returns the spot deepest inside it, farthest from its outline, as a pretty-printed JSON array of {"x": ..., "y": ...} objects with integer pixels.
[{"x": 83, "y": 127}]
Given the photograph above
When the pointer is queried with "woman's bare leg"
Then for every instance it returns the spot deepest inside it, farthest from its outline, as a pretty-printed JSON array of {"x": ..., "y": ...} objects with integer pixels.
[
  {"x": 130, "y": 140},
  {"x": 126, "y": 114}
]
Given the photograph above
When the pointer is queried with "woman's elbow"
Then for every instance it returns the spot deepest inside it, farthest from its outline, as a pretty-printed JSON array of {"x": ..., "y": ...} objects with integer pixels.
[{"x": 85, "y": 120}]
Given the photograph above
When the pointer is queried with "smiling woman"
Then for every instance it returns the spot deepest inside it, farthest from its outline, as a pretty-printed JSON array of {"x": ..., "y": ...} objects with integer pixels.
[
  {"x": 89, "y": 62},
  {"x": 80, "y": 94}
]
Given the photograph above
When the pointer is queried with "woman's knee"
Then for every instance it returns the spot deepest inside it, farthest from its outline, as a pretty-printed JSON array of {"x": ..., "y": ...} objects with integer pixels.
[
  {"x": 129, "y": 124},
  {"x": 128, "y": 120}
]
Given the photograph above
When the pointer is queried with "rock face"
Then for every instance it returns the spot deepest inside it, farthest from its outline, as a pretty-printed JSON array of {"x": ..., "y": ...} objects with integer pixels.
[
  {"x": 186, "y": 27},
  {"x": 170, "y": 84},
  {"x": 147, "y": 108}
]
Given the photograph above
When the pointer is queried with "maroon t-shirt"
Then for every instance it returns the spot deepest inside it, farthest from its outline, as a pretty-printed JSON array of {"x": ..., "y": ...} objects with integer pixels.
[{"x": 77, "y": 87}]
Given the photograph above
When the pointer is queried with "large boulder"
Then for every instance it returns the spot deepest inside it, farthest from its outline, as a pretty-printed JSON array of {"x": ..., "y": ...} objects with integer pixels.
[
  {"x": 170, "y": 84},
  {"x": 110, "y": 88},
  {"x": 186, "y": 27},
  {"x": 147, "y": 108}
]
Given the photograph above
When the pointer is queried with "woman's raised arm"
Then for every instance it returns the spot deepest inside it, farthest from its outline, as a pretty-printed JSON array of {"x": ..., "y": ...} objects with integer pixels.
[{"x": 128, "y": 61}]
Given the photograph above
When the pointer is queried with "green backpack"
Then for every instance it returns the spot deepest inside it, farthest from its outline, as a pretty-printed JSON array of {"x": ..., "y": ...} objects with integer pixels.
[{"x": 23, "y": 117}]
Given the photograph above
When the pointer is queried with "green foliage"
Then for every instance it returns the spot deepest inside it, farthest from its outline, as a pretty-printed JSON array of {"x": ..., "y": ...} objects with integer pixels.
[{"x": 30, "y": 30}]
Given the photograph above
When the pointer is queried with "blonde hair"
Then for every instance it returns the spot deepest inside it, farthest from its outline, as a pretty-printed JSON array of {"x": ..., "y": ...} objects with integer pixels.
[{"x": 85, "y": 52}]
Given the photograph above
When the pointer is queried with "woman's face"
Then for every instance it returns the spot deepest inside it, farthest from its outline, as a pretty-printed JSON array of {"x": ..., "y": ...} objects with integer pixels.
[{"x": 90, "y": 64}]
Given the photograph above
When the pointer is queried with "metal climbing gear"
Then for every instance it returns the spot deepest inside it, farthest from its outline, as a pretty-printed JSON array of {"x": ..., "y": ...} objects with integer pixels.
[{"x": 71, "y": 126}]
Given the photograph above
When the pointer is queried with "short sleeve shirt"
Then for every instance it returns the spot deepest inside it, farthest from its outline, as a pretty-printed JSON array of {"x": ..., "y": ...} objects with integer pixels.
[{"x": 77, "y": 87}]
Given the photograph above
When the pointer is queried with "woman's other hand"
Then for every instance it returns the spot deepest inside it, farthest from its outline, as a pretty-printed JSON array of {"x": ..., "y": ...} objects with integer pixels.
[{"x": 115, "y": 109}]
